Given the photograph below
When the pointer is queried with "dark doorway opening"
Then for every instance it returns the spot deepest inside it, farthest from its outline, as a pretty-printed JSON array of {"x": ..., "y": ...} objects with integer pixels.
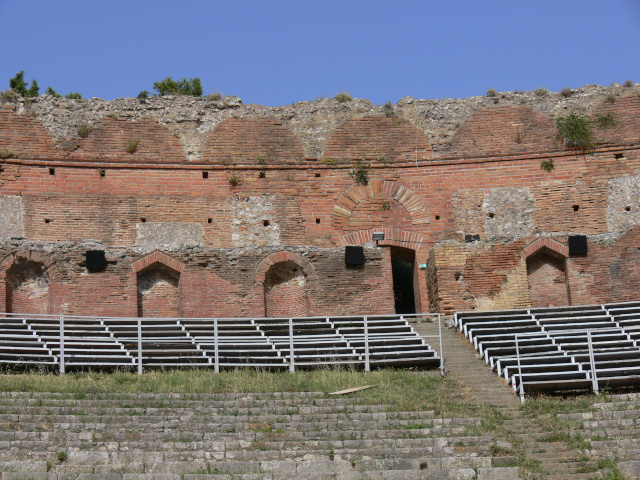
[{"x": 402, "y": 267}]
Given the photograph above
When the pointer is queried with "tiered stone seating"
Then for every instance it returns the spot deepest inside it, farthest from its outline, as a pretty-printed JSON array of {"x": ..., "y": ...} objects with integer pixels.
[
  {"x": 220, "y": 436},
  {"x": 108, "y": 342},
  {"x": 611, "y": 428},
  {"x": 553, "y": 344}
]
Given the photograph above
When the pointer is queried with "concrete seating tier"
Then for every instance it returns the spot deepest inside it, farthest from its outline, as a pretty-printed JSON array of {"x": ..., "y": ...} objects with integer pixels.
[
  {"x": 303, "y": 435},
  {"x": 554, "y": 344},
  {"x": 274, "y": 343}
]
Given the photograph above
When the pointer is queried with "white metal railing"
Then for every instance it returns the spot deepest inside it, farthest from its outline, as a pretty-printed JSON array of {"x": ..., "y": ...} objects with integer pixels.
[
  {"x": 592, "y": 372},
  {"x": 72, "y": 332}
]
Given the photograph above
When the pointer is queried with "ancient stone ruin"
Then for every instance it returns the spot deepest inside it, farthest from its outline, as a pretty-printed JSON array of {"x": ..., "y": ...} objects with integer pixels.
[{"x": 212, "y": 208}]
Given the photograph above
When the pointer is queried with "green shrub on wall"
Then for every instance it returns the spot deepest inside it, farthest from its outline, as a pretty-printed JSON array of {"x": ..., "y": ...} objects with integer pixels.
[{"x": 576, "y": 131}]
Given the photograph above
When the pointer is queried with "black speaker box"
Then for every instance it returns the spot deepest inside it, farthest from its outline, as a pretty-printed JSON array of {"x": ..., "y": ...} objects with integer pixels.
[
  {"x": 354, "y": 255},
  {"x": 95, "y": 260},
  {"x": 577, "y": 245}
]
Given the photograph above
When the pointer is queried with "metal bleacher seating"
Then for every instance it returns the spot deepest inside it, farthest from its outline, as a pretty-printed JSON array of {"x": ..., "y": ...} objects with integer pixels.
[
  {"x": 559, "y": 348},
  {"x": 273, "y": 343}
]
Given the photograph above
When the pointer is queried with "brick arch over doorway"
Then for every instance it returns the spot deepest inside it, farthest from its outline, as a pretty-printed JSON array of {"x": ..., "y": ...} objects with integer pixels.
[
  {"x": 25, "y": 282},
  {"x": 356, "y": 194},
  {"x": 546, "y": 272}
]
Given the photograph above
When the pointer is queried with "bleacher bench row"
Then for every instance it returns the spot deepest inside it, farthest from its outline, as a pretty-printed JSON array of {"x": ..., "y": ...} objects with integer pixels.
[
  {"x": 110, "y": 343},
  {"x": 553, "y": 344}
]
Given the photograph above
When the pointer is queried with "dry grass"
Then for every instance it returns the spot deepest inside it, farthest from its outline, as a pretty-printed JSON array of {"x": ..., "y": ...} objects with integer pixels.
[{"x": 400, "y": 389}]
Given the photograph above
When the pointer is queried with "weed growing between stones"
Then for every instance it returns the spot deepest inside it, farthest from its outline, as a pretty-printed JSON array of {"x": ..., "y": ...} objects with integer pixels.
[
  {"x": 360, "y": 172},
  {"x": 388, "y": 109},
  {"x": 607, "y": 121},
  {"x": 234, "y": 180},
  {"x": 566, "y": 92},
  {"x": 131, "y": 146},
  {"x": 342, "y": 97},
  {"x": 330, "y": 161},
  {"x": 547, "y": 165},
  {"x": 84, "y": 130},
  {"x": 6, "y": 154}
]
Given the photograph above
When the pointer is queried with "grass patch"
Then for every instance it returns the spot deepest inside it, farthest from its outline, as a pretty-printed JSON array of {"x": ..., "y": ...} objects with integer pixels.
[{"x": 400, "y": 389}]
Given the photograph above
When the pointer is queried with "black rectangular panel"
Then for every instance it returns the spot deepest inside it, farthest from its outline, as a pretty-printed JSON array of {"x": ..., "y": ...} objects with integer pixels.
[
  {"x": 354, "y": 255},
  {"x": 577, "y": 245},
  {"x": 95, "y": 260}
]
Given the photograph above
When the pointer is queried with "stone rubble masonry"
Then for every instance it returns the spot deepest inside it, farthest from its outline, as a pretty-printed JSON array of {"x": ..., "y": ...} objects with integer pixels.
[{"x": 217, "y": 193}]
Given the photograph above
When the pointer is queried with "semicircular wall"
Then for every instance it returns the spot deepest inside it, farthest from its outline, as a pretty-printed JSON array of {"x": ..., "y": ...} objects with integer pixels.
[
  {"x": 259, "y": 141},
  {"x": 380, "y": 138},
  {"x": 111, "y": 138},
  {"x": 504, "y": 130},
  {"x": 24, "y": 136}
]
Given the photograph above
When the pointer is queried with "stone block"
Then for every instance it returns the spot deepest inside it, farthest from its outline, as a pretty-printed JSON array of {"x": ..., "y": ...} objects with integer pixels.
[
  {"x": 169, "y": 233},
  {"x": 505, "y": 473},
  {"x": 11, "y": 217}
]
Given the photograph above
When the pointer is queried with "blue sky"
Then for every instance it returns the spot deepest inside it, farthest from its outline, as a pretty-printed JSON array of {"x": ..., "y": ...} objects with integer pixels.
[{"x": 279, "y": 52}]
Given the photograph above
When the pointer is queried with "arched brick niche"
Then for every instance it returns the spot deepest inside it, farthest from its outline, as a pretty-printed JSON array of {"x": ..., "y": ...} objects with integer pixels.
[
  {"x": 501, "y": 130},
  {"x": 378, "y": 204},
  {"x": 259, "y": 141},
  {"x": 284, "y": 278},
  {"x": 626, "y": 111},
  {"x": 378, "y": 139},
  {"x": 546, "y": 272},
  {"x": 25, "y": 283},
  {"x": 284, "y": 291},
  {"x": 24, "y": 136},
  {"x": 109, "y": 139},
  {"x": 158, "y": 286}
]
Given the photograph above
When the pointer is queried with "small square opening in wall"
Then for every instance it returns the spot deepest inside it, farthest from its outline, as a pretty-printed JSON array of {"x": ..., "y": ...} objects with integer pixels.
[
  {"x": 491, "y": 215},
  {"x": 266, "y": 223},
  {"x": 627, "y": 208},
  {"x": 576, "y": 208},
  {"x": 205, "y": 174},
  {"x": 52, "y": 171},
  {"x": 317, "y": 175},
  {"x": 317, "y": 220},
  {"x": 262, "y": 175},
  {"x": 619, "y": 156},
  {"x": 209, "y": 220},
  {"x": 47, "y": 220},
  {"x": 437, "y": 217},
  {"x": 143, "y": 220}
]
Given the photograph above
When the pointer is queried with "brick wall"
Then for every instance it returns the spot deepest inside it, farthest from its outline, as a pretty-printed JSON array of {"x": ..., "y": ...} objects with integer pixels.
[{"x": 490, "y": 184}]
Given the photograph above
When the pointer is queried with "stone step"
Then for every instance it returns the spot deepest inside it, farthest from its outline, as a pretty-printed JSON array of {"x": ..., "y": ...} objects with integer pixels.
[
  {"x": 450, "y": 446},
  {"x": 459, "y": 474},
  {"x": 305, "y": 469}
]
